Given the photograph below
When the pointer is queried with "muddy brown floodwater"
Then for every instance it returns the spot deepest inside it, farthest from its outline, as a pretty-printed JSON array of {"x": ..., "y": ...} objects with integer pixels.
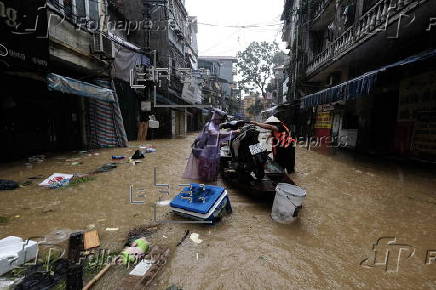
[{"x": 351, "y": 204}]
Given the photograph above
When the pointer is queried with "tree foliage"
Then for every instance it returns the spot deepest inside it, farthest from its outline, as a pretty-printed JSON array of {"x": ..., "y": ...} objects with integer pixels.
[{"x": 256, "y": 62}]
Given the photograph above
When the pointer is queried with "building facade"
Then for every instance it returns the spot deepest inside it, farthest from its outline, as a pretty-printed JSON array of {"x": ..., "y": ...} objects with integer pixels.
[
  {"x": 361, "y": 70},
  {"x": 222, "y": 89},
  {"x": 75, "y": 59},
  {"x": 171, "y": 34},
  {"x": 67, "y": 77}
]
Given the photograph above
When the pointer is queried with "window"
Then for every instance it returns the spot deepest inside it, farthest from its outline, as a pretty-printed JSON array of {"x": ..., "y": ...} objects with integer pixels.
[
  {"x": 81, "y": 8},
  {"x": 93, "y": 10},
  {"x": 350, "y": 121},
  {"x": 68, "y": 8},
  {"x": 80, "y": 11}
]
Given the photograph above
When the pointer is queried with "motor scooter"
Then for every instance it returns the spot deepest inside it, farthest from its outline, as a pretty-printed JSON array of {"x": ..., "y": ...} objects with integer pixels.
[{"x": 245, "y": 163}]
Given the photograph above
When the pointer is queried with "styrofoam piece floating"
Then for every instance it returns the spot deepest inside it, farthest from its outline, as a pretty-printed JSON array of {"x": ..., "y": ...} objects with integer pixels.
[
  {"x": 15, "y": 252},
  {"x": 141, "y": 268},
  {"x": 56, "y": 178}
]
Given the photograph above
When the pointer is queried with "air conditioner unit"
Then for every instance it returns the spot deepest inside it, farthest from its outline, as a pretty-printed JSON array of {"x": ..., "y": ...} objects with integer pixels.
[{"x": 102, "y": 45}]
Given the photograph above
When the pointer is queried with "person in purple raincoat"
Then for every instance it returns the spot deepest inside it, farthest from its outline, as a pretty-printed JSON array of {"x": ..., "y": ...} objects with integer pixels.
[{"x": 203, "y": 163}]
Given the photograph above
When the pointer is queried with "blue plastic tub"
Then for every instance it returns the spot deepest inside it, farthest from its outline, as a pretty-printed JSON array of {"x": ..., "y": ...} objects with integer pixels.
[{"x": 208, "y": 203}]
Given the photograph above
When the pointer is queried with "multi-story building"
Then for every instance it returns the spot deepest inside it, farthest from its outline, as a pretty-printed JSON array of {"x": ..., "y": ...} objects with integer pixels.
[
  {"x": 172, "y": 35},
  {"x": 63, "y": 54},
  {"x": 222, "y": 70},
  {"x": 362, "y": 71},
  {"x": 253, "y": 105},
  {"x": 74, "y": 58},
  {"x": 276, "y": 86}
]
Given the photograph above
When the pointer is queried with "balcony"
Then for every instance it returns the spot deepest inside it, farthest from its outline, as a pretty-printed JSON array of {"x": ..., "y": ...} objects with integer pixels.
[
  {"x": 375, "y": 20},
  {"x": 323, "y": 14},
  {"x": 176, "y": 84}
]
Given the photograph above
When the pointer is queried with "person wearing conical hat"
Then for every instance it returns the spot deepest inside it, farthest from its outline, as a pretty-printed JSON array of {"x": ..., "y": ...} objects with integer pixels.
[{"x": 283, "y": 145}]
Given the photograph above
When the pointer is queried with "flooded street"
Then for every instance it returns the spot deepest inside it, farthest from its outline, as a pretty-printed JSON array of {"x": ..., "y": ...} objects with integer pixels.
[{"x": 351, "y": 203}]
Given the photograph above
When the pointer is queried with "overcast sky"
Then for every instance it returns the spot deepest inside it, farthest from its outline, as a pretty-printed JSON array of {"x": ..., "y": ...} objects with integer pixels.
[{"x": 227, "y": 41}]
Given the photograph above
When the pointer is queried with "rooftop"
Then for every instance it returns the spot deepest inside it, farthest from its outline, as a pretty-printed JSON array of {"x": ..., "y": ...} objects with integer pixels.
[{"x": 233, "y": 59}]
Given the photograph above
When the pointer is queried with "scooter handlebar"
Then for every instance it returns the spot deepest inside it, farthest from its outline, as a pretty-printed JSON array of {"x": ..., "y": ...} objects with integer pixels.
[{"x": 233, "y": 124}]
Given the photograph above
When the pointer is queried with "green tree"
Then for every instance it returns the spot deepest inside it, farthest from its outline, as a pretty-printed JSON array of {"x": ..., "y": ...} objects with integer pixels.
[{"x": 256, "y": 62}]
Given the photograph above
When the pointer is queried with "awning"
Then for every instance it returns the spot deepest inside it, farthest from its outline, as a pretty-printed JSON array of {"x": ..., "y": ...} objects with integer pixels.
[
  {"x": 75, "y": 87},
  {"x": 163, "y": 100},
  {"x": 123, "y": 42},
  {"x": 191, "y": 92},
  {"x": 357, "y": 87}
]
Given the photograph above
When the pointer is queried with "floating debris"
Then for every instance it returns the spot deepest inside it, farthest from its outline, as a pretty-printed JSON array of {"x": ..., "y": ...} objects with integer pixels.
[
  {"x": 142, "y": 231},
  {"x": 196, "y": 238},
  {"x": 141, "y": 268},
  {"x": 4, "y": 220},
  {"x": 106, "y": 168},
  {"x": 91, "y": 240},
  {"x": 183, "y": 238},
  {"x": 57, "y": 180},
  {"x": 8, "y": 184}
]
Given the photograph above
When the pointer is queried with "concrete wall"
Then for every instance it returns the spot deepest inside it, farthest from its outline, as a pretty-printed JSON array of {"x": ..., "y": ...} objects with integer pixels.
[{"x": 72, "y": 46}]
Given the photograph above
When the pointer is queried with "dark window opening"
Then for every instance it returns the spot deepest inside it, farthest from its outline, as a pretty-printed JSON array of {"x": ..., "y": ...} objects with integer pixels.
[
  {"x": 350, "y": 121},
  {"x": 80, "y": 8},
  {"x": 94, "y": 14},
  {"x": 68, "y": 8}
]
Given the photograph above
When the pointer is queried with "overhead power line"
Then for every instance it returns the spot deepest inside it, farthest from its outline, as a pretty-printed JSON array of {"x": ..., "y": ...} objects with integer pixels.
[{"x": 241, "y": 26}]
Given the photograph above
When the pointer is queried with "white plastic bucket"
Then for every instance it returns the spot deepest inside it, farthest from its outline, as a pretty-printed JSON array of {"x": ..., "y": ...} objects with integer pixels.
[{"x": 287, "y": 203}]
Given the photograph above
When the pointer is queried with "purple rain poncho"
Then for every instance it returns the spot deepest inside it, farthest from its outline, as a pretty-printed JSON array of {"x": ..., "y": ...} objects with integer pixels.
[{"x": 205, "y": 167}]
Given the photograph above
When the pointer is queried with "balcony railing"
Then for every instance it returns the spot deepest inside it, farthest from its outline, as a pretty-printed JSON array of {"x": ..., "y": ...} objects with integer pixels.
[
  {"x": 373, "y": 21},
  {"x": 319, "y": 9}
]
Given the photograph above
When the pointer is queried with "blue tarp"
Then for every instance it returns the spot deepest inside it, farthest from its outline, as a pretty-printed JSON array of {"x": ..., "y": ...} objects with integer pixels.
[
  {"x": 357, "y": 87},
  {"x": 75, "y": 87}
]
